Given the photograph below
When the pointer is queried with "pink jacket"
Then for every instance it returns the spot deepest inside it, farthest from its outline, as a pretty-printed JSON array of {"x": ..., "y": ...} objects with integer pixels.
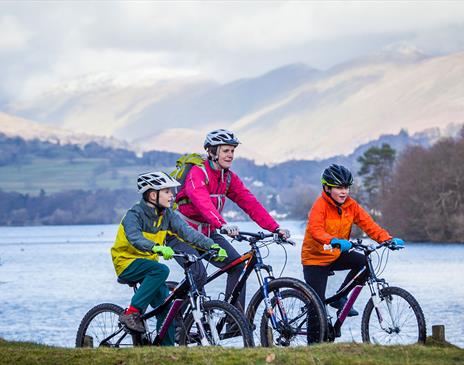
[{"x": 202, "y": 202}]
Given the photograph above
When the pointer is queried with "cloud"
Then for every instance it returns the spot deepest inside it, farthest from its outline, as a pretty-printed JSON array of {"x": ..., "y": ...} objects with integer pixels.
[
  {"x": 55, "y": 42},
  {"x": 13, "y": 35}
]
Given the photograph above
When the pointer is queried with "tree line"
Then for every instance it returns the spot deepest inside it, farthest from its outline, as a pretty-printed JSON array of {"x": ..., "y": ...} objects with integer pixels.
[
  {"x": 420, "y": 194},
  {"x": 67, "y": 207},
  {"x": 17, "y": 151},
  {"x": 417, "y": 194}
]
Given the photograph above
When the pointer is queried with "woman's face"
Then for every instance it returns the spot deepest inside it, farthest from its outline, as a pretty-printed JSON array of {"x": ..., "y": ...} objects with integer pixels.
[
  {"x": 225, "y": 156},
  {"x": 166, "y": 197},
  {"x": 339, "y": 193}
]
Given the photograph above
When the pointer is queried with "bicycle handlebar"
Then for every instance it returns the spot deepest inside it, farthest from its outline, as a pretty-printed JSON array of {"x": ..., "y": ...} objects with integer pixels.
[
  {"x": 244, "y": 236},
  {"x": 192, "y": 258},
  {"x": 369, "y": 247}
]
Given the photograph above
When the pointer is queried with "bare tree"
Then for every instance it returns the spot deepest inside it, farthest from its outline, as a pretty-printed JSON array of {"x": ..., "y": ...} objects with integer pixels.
[{"x": 426, "y": 200}]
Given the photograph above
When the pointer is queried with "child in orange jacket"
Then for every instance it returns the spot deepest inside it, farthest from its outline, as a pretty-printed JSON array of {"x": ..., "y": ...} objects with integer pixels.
[{"x": 330, "y": 221}]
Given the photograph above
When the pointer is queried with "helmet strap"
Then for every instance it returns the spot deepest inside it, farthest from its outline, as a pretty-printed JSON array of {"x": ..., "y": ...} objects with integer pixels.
[
  {"x": 156, "y": 202},
  {"x": 215, "y": 158}
]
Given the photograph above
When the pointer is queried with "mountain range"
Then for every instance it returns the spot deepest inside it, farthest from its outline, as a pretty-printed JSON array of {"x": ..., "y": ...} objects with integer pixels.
[{"x": 293, "y": 112}]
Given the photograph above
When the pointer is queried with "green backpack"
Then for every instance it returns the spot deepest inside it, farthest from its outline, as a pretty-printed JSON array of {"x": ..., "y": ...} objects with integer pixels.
[
  {"x": 183, "y": 166},
  {"x": 185, "y": 163}
]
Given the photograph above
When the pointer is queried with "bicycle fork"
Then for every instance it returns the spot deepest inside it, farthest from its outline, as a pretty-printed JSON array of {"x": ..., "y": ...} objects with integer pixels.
[
  {"x": 264, "y": 283},
  {"x": 198, "y": 315},
  {"x": 376, "y": 301}
]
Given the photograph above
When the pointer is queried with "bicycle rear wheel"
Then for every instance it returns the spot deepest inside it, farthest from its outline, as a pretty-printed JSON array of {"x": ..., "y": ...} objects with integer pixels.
[
  {"x": 403, "y": 319},
  {"x": 221, "y": 317},
  {"x": 100, "y": 328}
]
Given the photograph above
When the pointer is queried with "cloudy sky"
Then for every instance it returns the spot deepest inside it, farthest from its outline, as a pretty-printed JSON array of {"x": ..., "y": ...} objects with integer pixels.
[{"x": 46, "y": 43}]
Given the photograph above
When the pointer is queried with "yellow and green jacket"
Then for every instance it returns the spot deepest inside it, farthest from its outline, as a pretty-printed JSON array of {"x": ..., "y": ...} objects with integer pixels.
[{"x": 144, "y": 226}]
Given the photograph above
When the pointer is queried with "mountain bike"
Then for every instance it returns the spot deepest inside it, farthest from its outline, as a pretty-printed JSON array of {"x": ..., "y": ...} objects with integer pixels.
[
  {"x": 391, "y": 316},
  {"x": 287, "y": 304},
  {"x": 203, "y": 322}
]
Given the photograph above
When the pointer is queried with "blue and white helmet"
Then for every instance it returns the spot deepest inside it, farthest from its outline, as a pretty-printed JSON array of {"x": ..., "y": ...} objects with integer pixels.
[
  {"x": 220, "y": 137},
  {"x": 156, "y": 180}
]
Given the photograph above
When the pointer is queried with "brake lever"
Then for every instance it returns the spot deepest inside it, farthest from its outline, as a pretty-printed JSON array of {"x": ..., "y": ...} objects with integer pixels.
[
  {"x": 290, "y": 242},
  {"x": 239, "y": 238}
]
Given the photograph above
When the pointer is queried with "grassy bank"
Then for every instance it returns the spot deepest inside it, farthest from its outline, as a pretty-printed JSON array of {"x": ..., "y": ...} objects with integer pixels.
[{"x": 334, "y": 354}]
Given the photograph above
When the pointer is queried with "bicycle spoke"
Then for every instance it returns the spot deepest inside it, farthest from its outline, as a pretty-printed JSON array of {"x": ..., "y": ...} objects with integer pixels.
[{"x": 403, "y": 321}]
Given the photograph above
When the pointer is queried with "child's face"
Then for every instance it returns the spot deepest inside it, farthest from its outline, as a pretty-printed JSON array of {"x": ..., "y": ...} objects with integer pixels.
[
  {"x": 166, "y": 197},
  {"x": 226, "y": 156},
  {"x": 339, "y": 194}
]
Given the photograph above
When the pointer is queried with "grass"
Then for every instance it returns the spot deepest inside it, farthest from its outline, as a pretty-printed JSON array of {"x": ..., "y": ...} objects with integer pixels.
[{"x": 333, "y": 354}]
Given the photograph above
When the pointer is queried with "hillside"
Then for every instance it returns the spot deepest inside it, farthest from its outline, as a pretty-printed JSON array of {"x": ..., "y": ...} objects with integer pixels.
[
  {"x": 293, "y": 112},
  {"x": 28, "y": 166}
]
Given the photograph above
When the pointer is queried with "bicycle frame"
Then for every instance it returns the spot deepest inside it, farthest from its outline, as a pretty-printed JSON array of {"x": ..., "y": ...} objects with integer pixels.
[
  {"x": 253, "y": 261},
  {"x": 366, "y": 275},
  {"x": 185, "y": 289}
]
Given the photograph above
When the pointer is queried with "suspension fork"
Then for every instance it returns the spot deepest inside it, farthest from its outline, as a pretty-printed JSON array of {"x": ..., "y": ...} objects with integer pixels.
[
  {"x": 195, "y": 299},
  {"x": 375, "y": 286},
  {"x": 264, "y": 284}
]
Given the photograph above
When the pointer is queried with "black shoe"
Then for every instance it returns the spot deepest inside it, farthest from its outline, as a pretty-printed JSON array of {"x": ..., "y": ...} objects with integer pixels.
[
  {"x": 132, "y": 321},
  {"x": 339, "y": 304}
]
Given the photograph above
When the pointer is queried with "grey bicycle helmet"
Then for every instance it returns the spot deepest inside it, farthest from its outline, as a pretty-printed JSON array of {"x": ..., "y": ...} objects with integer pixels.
[
  {"x": 220, "y": 137},
  {"x": 156, "y": 180},
  {"x": 337, "y": 175}
]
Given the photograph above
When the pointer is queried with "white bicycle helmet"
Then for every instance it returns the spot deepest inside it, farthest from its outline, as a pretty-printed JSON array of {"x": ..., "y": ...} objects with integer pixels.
[
  {"x": 156, "y": 180},
  {"x": 220, "y": 137}
]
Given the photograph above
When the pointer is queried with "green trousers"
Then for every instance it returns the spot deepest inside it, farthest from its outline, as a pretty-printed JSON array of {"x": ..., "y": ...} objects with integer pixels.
[{"x": 152, "y": 290}]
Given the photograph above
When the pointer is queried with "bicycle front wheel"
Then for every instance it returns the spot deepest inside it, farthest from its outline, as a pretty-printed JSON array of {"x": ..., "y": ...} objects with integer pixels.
[
  {"x": 223, "y": 325},
  {"x": 398, "y": 320},
  {"x": 100, "y": 328},
  {"x": 306, "y": 302},
  {"x": 291, "y": 312}
]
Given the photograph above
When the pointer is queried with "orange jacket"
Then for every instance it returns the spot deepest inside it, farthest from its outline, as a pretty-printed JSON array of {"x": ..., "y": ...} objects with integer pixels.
[{"x": 325, "y": 223}]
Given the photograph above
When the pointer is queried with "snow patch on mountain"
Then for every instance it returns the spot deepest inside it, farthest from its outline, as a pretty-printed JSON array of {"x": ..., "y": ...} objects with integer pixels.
[{"x": 12, "y": 126}]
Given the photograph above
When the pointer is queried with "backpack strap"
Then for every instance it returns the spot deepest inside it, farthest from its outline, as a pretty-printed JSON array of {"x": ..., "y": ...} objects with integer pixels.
[
  {"x": 228, "y": 181},
  {"x": 219, "y": 196}
]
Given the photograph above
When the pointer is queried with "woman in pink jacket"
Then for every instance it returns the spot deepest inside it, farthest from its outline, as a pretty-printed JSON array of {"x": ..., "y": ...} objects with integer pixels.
[{"x": 202, "y": 198}]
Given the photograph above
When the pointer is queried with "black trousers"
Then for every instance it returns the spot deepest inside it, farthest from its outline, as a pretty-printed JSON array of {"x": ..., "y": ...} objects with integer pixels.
[
  {"x": 199, "y": 270},
  {"x": 316, "y": 276}
]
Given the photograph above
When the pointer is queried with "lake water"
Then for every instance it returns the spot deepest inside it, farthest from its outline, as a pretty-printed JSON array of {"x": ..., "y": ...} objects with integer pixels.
[{"x": 51, "y": 276}]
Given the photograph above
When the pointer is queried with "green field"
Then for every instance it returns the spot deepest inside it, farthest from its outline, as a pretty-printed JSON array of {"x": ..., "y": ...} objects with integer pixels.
[
  {"x": 333, "y": 354},
  {"x": 54, "y": 175}
]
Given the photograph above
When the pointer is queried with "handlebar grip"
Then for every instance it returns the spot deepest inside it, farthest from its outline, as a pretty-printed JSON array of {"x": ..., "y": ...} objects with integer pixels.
[{"x": 290, "y": 242}]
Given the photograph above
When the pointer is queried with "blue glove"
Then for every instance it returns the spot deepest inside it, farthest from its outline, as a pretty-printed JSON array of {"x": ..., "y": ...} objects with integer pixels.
[
  {"x": 398, "y": 242},
  {"x": 343, "y": 245}
]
